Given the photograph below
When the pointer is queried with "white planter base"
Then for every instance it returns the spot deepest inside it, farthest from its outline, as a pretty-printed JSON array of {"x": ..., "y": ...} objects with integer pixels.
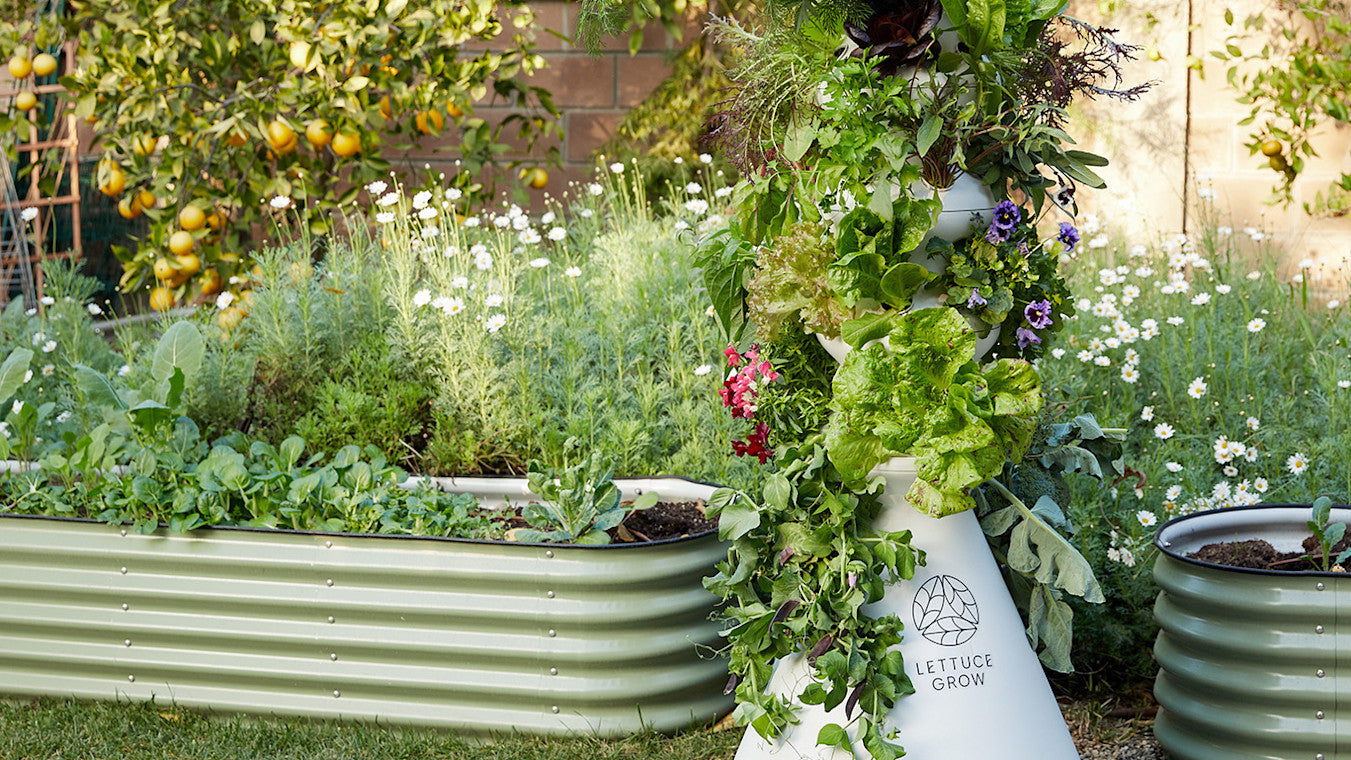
[{"x": 979, "y": 688}]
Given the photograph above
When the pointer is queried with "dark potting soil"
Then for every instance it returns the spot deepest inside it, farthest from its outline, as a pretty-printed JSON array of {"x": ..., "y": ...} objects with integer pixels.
[
  {"x": 663, "y": 520},
  {"x": 1260, "y": 555},
  {"x": 660, "y": 521}
]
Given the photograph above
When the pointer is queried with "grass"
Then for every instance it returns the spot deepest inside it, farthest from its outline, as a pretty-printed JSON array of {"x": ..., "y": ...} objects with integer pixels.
[{"x": 70, "y": 730}]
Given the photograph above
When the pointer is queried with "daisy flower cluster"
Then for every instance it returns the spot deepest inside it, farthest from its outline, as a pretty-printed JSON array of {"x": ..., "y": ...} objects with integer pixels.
[
  {"x": 466, "y": 264},
  {"x": 1173, "y": 337}
]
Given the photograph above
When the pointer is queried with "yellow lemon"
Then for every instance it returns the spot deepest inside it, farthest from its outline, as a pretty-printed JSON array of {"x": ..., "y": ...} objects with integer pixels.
[
  {"x": 143, "y": 145},
  {"x": 44, "y": 64},
  {"x": 346, "y": 144},
  {"x": 430, "y": 122},
  {"x": 114, "y": 184},
  {"x": 535, "y": 177},
  {"x": 20, "y": 67},
  {"x": 191, "y": 218},
  {"x": 163, "y": 269},
  {"x": 189, "y": 264},
  {"x": 25, "y": 101},
  {"x": 318, "y": 133},
  {"x": 211, "y": 282},
  {"x": 181, "y": 242},
  {"x": 161, "y": 299},
  {"x": 146, "y": 198},
  {"x": 279, "y": 133},
  {"x": 229, "y": 318},
  {"x": 129, "y": 207}
]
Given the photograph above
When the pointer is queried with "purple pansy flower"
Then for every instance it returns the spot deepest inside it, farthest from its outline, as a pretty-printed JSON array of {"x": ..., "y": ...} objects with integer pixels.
[
  {"x": 1068, "y": 235},
  {"x": 1006, "y": 216},
  {"x": 1038, "y": 314},
  {"x": 1027, "y": 338},
  {"x": 975, "y": 301}
]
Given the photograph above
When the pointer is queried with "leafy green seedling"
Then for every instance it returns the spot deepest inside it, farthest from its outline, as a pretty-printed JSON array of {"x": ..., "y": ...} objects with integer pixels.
[{"x": 1327, "y": 532}]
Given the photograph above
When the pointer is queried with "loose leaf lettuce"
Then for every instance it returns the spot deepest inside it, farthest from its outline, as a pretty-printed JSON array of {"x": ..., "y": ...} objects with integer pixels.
[{"x": 928, "y": 398}]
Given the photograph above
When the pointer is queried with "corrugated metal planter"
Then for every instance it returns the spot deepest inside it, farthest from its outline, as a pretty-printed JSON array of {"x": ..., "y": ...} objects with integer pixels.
[
  {"x": 469, "y": 635},
  {"x": 1252, "y": 662}
]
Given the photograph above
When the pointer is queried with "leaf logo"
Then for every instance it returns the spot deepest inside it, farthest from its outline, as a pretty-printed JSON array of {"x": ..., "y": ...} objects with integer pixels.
[{"x": 945, "y": 611}]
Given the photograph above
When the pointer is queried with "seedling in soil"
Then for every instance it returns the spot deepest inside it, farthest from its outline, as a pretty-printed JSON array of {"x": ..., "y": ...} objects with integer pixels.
[{"x": 1328, "y": 534}]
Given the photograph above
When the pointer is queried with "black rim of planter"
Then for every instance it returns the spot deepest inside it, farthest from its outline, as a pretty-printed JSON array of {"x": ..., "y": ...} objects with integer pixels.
[
  {"x": 405, "y": 537},
  {"x": 1158, "y": 542}
]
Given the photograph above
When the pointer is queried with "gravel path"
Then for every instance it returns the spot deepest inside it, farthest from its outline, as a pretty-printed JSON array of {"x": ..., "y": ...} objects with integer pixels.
[{"x": 1138, "y": 748}]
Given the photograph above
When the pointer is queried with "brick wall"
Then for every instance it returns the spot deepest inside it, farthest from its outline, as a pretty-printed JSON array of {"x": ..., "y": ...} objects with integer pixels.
[
  {"x": 593, "y": 92},
  {"x": 1157, "y": 144}
]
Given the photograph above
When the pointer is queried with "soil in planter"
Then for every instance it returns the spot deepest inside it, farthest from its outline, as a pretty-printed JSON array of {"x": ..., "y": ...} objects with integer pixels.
[
  {"x": 662, "y": 520},
  {"x": 1260, "y": 555}
]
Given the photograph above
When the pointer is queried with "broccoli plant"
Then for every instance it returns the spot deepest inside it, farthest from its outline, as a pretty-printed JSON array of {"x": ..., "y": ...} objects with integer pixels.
[
  {"x": 1032, "y": 542},
  {"x": 577, "y": 505},
  {"x": 1328, "y": 534}
]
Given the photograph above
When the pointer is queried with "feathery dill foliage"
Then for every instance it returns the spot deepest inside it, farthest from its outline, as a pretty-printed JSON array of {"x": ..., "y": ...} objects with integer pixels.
[
  {"x": 797, "y": 15},
  {"x": 598, "y": 19},
  {"x": 774, "y": 82}
]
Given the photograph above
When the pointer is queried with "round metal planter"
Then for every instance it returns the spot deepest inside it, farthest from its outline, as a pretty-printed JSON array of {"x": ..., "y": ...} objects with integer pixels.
[
  {"x": 1253, "y": 664},
  {"x": 476, "y": 636}
]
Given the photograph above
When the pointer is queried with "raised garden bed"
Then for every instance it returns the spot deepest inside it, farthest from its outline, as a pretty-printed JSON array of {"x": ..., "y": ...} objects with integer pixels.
[
  {"x": 476, "y": 636},
  {"x": 1251, "y": 661}
]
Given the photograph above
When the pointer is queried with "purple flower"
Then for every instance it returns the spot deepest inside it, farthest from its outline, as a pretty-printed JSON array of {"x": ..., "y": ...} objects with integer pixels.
[
  {"x": 1068, "y": 235},
  {"x": 1027, "y": 338},
  {"x": 975, "y": 301},
  {"x": 1038, "y": 314},
  {"x": 1006, "y": 216}
]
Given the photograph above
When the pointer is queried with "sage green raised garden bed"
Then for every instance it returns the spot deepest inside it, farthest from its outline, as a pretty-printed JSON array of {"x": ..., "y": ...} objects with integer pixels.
[
  {"x": 468, "y": 635},
  {"x": 1252, "y": 663}
]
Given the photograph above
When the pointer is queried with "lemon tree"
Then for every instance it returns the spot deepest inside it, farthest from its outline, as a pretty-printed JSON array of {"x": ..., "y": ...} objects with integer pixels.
[{"x": 216, "y": 119}]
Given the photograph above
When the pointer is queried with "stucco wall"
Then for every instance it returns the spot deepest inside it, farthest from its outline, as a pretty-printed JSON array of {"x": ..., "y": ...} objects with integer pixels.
[{"x": 1163, "y": 150}]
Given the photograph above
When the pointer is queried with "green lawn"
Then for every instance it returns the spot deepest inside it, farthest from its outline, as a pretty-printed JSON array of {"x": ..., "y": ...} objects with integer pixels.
[{"x": 68, "y": 730}]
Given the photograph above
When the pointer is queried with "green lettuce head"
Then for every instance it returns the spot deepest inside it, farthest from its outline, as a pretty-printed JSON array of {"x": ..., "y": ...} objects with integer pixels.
[{"x": 927, "y": 397}]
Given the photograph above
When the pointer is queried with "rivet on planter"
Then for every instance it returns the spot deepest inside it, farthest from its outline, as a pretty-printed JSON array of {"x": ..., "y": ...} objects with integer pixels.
[
  {"x": 1319, "y": 715},
  {"x": 124, "y": 531},
  {"x": 127, "y": 642},
  {"x": 131, "y": 679},
  {"x": 333, "y": 657},
  {"x": 1320, "y": 673},
  {"x": 1318, "y": 629},
  {"x": 337, "y": 694},
  {"x": 552, "y": 633},
  {"x": 1318, "y": 756},
  {"x": 329, "y": 582},
  {"x": 125, "y": 607},
  {"x": 555, "y": 709},
  {"x": 553, "y": 671},
  {"x": 328, "y": 544},
  {"x": 549, "y": 554},
  {"x": 124, "y": 571},
  {"x": 1320, "y": 586},
  {"x": 330, "y": 619},
  {"x": 549, "y": 594}
]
